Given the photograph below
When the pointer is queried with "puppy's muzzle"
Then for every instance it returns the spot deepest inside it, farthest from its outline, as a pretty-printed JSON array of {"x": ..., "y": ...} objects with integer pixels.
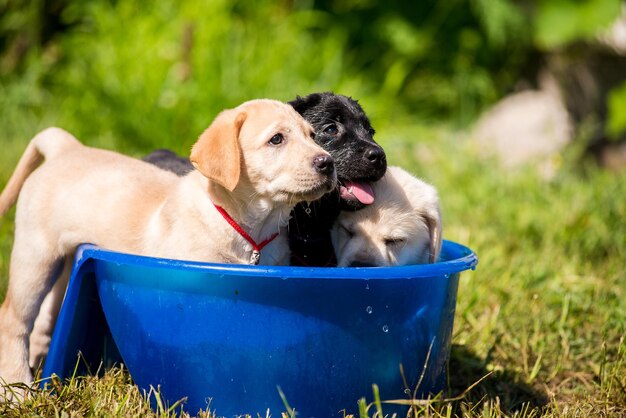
[
  {"x": 324, "y": 164},
  {"x": 375, "y": 157}
]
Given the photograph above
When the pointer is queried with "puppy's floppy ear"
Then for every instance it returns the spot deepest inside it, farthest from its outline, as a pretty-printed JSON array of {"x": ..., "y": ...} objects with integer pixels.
[
  {"x": 434, "y": 224},
  {"x": 302, "y": 104},
  {"x": 216, "y": 154}
]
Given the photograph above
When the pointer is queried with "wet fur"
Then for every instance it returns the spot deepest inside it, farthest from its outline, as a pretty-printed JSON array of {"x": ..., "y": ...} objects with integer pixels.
[
  {"x": 309, "y": 227},
  {"x": 310, "y": 224}
]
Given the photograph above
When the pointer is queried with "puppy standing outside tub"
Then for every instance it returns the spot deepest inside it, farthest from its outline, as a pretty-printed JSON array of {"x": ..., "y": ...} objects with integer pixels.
[{"x": 254, "y": 163}]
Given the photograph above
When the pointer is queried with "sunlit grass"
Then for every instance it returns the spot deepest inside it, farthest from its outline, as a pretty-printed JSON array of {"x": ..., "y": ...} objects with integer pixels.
[
  {"x": 542, "y": 316},
  {"x": 113, "y": 394}
]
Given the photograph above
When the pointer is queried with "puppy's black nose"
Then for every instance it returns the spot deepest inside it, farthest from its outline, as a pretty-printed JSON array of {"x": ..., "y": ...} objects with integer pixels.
[
  {"x": 357, "y": 263},
  {"x": 376, "y": 156},
  {"x": 324, "y": 164}
]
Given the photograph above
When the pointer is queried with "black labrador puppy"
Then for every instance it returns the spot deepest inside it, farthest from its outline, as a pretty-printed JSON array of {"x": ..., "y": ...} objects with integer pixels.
[{"x": 343, "y": 129}]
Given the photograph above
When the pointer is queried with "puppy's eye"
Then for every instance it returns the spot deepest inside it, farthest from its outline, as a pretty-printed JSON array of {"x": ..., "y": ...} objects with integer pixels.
[
  {"x": 394, "y": 241},
  {"x": 277, "y": 139},
  {"x": 331, "y": 130},
  {"x": 313, "y": 135},
  {"x": 371, "y": 131}
]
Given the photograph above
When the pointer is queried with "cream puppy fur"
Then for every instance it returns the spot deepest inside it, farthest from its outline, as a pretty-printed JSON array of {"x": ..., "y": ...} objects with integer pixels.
[
  {"x": 256, "y": 161},
  {"x": 403, "y": 226}
]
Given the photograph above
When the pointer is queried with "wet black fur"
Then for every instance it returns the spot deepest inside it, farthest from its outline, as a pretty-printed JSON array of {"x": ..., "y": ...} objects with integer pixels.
[
  {"x": 309, "y": 227},
  {"x": 357, "y": 157}
]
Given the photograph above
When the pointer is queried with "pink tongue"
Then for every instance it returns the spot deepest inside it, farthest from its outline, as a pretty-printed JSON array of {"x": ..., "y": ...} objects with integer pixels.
[{"x": 362, "y": 191}]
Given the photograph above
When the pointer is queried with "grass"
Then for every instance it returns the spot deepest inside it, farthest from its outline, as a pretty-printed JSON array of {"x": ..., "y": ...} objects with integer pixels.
[
  {"x": 113, "y": 394},
  {"x": 541, "y": 323},
  {"x": 542, "y": 316}
]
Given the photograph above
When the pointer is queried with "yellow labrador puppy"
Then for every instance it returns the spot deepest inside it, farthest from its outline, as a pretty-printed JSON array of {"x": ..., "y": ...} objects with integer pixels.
[
  {"x": 403, "y": 225},
  {"x": 254, "y": 163}
]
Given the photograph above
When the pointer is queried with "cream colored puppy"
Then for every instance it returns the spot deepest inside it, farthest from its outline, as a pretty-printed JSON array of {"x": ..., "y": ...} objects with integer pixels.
[
  {"x": 403, "y": 225},
  {"x": 255, "y": 161}
]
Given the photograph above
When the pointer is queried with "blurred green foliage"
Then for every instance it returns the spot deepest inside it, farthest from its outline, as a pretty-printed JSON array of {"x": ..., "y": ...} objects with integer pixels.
[
  {"x": 112, "y": 69},
  {"x": 159, "y": 72},
  {"x": 616, "y": 124},
  {"x": 440, "y": 59},
  {"x": 559, "y": 22}
]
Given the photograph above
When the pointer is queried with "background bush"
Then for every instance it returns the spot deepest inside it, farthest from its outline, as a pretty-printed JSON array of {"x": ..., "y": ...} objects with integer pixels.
[{"x": 114, "y": 68}]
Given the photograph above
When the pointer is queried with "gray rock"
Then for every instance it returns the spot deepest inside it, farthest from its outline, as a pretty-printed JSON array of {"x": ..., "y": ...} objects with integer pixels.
[{"x": 530, "y": 126}]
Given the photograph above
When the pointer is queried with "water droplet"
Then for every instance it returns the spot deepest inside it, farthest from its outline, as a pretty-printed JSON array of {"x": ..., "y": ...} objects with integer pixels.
[
  {"x": 446, "y": 276},
  {"x": 369, "y": 309},
  {"x": 407, "y": 391},
  {"x": 385, "y": 328},
  {"x": 367, "y": 286}
]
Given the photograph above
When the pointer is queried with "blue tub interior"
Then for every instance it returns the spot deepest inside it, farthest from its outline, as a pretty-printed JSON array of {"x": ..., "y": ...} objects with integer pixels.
[{"x": 232, "y": 334}]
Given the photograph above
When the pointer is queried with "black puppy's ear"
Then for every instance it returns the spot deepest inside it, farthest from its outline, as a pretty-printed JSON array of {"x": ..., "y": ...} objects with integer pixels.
[{"x": 302, "y": 104}]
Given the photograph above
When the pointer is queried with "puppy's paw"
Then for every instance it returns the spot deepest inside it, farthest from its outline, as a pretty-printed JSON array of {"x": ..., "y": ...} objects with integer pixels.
[
  {"x": 14, "y": 392},
  {"x": 15, "y": 376}
]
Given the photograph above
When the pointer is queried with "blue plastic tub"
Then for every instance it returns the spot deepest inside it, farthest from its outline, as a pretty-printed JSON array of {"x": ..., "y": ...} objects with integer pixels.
[{"x": 232, "y": 334}]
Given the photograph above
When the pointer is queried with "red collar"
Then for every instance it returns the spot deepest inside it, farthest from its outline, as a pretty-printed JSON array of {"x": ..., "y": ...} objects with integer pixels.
[{"x": 256, "y": 248}]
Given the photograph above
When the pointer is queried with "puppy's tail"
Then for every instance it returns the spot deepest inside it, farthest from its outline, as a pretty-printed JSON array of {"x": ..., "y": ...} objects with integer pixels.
[{"x": 45, "y": 145}]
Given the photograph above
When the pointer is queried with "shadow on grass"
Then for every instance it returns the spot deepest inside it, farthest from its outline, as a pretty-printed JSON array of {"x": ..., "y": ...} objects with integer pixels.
[{"x": 504, "y": 388}]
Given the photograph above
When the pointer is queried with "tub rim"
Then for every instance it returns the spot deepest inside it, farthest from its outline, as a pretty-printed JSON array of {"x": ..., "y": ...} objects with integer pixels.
[{"x": 460, "y": 258}]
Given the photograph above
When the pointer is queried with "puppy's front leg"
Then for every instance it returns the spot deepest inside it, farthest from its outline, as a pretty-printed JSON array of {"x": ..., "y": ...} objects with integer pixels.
[{"x": 32, "y": 273}]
